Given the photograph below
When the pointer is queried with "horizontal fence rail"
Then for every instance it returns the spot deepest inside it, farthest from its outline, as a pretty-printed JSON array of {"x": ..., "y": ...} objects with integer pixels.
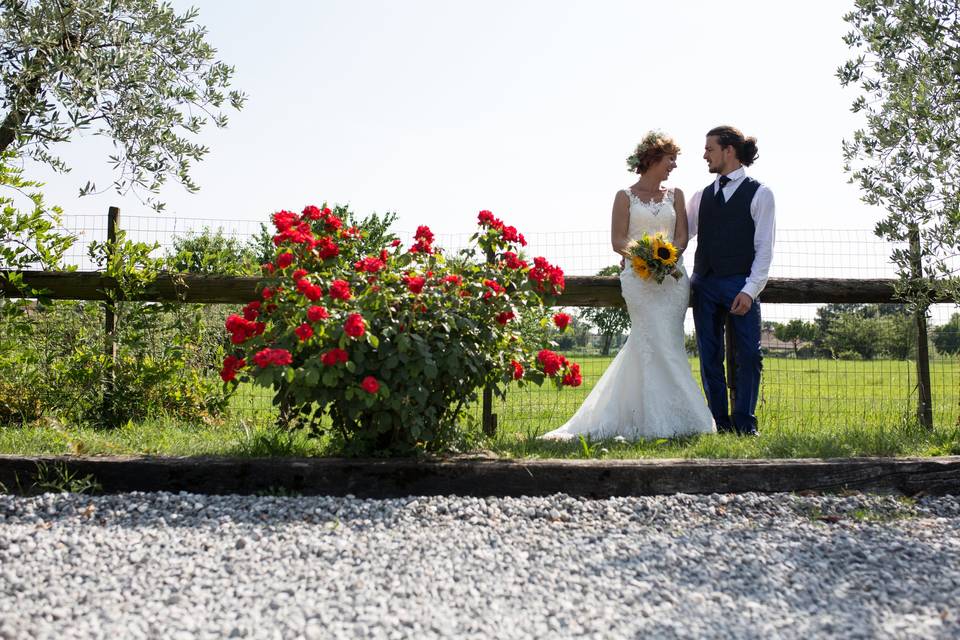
[{"x": 580, "y": 291}]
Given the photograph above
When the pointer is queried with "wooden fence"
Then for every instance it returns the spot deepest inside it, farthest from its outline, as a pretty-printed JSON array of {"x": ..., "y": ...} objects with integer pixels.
[{"x": 580, "y": 291}]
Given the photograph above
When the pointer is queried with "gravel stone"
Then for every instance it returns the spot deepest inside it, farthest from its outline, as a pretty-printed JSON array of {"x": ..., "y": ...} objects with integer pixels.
[{"x": 683, "y": 566}]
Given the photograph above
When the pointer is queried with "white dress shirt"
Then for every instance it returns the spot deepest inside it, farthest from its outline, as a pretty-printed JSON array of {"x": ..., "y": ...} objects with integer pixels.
[{"x": 762, "y": 211}]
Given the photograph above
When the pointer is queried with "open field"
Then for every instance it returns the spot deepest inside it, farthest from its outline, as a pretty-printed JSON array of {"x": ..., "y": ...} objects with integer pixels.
[{"x": 809, "y": 408}]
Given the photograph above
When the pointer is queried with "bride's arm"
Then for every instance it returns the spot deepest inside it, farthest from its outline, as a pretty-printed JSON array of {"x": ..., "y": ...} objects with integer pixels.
[
  {"x": 681, "y": 233},
  {"x": 620, "y": 223}
]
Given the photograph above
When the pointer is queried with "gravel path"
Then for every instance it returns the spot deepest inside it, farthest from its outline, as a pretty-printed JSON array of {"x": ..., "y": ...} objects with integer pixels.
[{"x": 739, "y": 566}]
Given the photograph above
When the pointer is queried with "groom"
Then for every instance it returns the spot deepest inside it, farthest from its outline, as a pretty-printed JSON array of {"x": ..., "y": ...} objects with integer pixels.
[{"x": 734, "y": 220}]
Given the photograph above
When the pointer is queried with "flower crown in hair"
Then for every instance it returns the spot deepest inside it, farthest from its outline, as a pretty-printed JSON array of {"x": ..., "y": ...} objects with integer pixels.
[{"x": 652, "y": 139}]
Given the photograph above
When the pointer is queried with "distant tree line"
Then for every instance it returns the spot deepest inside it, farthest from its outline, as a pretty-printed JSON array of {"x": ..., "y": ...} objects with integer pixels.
[{"x": 864, "y": 332}]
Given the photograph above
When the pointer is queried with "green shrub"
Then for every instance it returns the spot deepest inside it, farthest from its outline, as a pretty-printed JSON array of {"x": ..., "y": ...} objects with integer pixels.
[{"x": 391, "y": 343}]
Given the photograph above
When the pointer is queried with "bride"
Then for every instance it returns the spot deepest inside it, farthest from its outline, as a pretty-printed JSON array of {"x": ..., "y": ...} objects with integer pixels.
[{"x": 648, "y": 390}]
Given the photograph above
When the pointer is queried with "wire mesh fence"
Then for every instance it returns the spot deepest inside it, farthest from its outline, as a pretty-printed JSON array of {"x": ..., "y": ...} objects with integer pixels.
[{"x": 830, "y": 379}]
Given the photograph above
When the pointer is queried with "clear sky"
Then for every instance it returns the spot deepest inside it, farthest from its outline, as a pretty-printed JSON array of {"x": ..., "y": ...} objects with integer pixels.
[{"x": 436, "y": 109}]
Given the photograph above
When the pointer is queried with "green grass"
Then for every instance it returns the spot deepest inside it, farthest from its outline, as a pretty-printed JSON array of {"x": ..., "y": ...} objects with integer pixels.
[
  {"x": 808, "y": 408},
  {"x": 159, "y": 437}
]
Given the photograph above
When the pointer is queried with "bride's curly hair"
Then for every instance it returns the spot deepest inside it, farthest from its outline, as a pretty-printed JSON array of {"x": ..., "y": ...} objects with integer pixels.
[{"x": 654, "y": 146}]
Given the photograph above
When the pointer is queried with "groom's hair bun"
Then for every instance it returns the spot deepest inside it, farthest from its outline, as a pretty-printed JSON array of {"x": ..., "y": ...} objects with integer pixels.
[
  {"x": 728, "y": 136},
  {"x": 654, "y": 146}
]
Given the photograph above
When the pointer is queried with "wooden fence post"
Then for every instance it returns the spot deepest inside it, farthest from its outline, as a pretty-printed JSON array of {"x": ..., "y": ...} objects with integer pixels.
[
  {"x": 109, "y": 329},
  {"x": 924, "y": 392},
  {"x": 489, "y": 418}
]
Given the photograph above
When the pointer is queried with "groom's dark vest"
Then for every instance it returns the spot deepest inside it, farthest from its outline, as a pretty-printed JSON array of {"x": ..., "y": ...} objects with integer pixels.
[{"x": 725, "y": 232}]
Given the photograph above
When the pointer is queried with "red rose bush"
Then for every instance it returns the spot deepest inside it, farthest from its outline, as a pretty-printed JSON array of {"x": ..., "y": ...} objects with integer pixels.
[{"x": 392, "y": 341}]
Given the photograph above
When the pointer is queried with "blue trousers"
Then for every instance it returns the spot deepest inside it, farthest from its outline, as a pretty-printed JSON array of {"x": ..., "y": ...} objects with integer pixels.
[{"x": 711, "y": 298}]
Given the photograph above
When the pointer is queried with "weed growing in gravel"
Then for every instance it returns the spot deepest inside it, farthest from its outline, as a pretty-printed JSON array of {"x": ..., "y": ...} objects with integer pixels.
[{"x": 56, "y": 478}]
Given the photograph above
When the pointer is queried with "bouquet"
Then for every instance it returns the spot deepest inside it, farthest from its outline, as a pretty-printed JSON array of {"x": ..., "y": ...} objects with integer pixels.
[{"x": 654, "y": 257}]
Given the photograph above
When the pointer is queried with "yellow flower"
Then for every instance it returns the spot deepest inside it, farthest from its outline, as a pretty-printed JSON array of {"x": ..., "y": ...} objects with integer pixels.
[
  {"x": 663, "y": 251},
  {"x": 640, "y": 267}
]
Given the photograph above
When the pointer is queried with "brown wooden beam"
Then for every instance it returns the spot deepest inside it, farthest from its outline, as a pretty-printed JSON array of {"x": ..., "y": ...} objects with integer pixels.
[
  {"x": 384, "y": 478},
  {"x": 171, "y": 287},
  {"x": 581, "y": 291}
]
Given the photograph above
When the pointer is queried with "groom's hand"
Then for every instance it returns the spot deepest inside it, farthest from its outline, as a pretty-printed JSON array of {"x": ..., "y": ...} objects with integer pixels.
[{"x": 741, "y": 304}]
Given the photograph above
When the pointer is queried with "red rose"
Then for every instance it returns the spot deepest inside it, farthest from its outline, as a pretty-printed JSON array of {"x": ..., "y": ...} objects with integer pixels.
[
  {"x": 340, "y": 290},
  {"x": 509, "y": 234},
  {"x": 242, "y": 328},
  {"x": 313, "y": 293},
  {"x": 495, "y": 288},
  {"x": 267, "y": 267},
  {"x": 266, "y": 357},
  {"x": 316, "y": 314},
  {"x": 453, "y": 279},
  {"x": 327, "y": 248},
  {"x": 517, "y": 369},
  {"x": 394, "y": 243},
  {"x": 230, "y": 366},
  {"x": 512, "y": 261},
  {"x": 267, "y": 293},
  {"x": 424, "y": 233},
  {"x": 252, "y": 310},
  {"x": 304, "y": 332},
  {"x": 284, "y": 260},
  {"x": 542, "y": 271},
  {"x": 487, "y": 219},
  {"x": 354, "y": 325},
  {"x": 299, "y": 274},
  {"x": 333, "y": 222},
  {"x": 551, "y": 361},
  {"x": 334, "y": 356},
  {"x": 561, "y": 320},
  {"x": 414, "y": 283},
  {"x": 573, "y": 379},
  {"x": 505, "y": 317},
  {"x": 370, "y": 384},
  {"x": 311, "y": 212},
  {"x": 370, "y": 264},
  {"x": 424, "y": 238},
  {"x": 283, "y": 220},
  {"x": 301, "y": 234}
]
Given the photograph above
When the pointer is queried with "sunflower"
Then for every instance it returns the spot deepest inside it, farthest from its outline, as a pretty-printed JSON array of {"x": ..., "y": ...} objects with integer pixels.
[
  {"x": 640, "y": 267},
  {"x": 663, "y": 251}
]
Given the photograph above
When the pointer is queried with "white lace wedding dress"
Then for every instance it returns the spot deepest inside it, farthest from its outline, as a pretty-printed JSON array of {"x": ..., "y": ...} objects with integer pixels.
[{"x": 648, "y": 390}]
